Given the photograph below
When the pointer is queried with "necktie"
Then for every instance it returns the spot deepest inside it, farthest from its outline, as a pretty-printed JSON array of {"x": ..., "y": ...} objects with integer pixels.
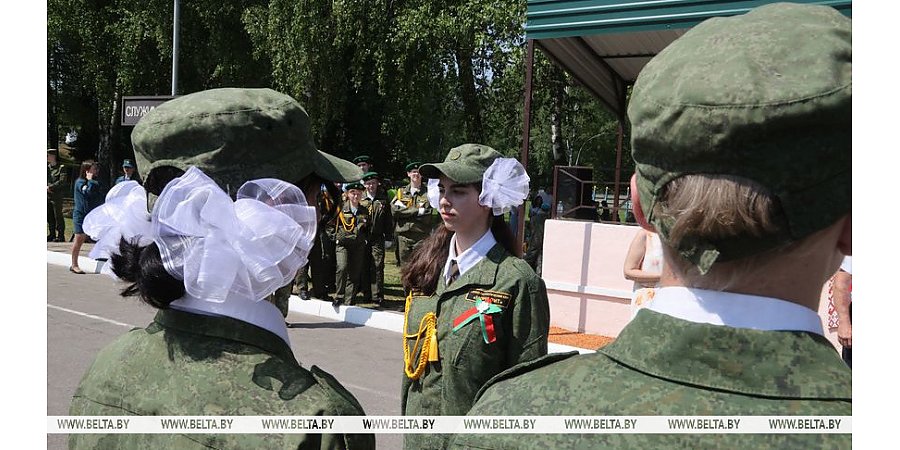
[{"x": 454, "y": 272}]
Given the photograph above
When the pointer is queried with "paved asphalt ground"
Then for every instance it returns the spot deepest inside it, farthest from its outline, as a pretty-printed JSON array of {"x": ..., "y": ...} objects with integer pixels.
[{"x": 85, "y": 313}]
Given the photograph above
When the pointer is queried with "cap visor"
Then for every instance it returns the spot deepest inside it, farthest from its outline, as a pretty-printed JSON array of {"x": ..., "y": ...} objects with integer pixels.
[{"x": 333, "y": 168}]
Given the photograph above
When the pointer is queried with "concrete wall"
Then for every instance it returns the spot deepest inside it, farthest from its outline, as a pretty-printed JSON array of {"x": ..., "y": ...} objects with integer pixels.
[{"x": 582, "y": 268}]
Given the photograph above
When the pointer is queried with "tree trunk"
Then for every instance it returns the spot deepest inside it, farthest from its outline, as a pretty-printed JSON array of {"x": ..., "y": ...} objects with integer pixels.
[
  {"x": 560, "y": 153},
  {"x": 108, "y": 150},
  {"x": 469, "y": 96}
]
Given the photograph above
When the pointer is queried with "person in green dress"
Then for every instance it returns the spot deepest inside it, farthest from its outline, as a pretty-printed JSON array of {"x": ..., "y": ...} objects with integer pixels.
[{"x": 475, "y": 308}]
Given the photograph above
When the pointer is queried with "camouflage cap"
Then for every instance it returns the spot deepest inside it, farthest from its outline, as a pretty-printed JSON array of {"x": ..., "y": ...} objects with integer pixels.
[
  {"x": 765, "y": 96},
  {"x": 234, "y": 135},
  {"x": 464, "y": 164}
]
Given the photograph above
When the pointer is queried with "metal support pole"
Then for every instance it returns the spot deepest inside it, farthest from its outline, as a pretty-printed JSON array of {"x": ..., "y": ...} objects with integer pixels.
[
  {"x": 176, "y": 19},
  {"x": 526, "y": 133}
]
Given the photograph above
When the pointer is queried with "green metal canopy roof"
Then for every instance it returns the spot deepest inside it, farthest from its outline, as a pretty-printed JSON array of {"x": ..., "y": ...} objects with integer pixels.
[{"x": 604, "y": 44}]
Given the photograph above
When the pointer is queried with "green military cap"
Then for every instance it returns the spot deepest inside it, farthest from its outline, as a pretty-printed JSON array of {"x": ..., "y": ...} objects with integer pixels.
[
  {"x": 355, "y": 185},
  {"x": 370, "y": 176},
  {"x": 764, "y": 96},
  {"x": 361, "y": 159},
  {"x": 413, "y": 166},
  {"x": 129, "y": 164},
  {"x": 234, "y": 135},
  {"x": 464, "y": 164}
]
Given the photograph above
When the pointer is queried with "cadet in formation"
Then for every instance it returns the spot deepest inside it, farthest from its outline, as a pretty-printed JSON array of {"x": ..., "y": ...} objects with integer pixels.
[
  {"x": 380, "y": 230},
  {"x": 743, "y": 168},
  {"x": 350, "y": 234},
  {"x": 475, "y": 308},
  {"x": 56, "y": 186},
  {"x": 215, "y": 346},
  {"x": 316, "y": 267},
  {"x": 412, "y": 214}
]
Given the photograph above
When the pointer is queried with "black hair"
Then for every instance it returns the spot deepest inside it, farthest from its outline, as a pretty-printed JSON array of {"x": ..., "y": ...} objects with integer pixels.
[{"x": 143, "y": 268}]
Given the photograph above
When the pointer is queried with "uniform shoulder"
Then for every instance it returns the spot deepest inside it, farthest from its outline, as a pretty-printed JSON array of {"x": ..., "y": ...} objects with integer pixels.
[
  {"x": 345, "y": 404},
  {"x": 525, "y": 368},
  {"x": 517, "y": 267}
]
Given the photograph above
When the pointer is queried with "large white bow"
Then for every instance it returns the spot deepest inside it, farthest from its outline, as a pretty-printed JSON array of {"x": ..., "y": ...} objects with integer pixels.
[
  {"x": 505, "y": 185},
  {"x": 223, "y": 250},
  {"x": 244, "y": 249},
  {"x": 123, "y": 214}
]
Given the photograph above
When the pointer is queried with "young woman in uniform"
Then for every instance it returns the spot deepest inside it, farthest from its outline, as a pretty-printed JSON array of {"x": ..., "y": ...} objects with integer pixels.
[{"x": 475, "y": 308}]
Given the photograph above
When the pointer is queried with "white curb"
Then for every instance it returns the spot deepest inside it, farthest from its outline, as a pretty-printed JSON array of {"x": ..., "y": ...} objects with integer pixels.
[{"x": 384, "y": 320}]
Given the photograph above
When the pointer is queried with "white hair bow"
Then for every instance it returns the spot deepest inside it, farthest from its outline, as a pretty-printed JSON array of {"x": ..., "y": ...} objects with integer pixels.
[
  {"x": 505, "y": 185},
  {"x": 224, "y": 250}
]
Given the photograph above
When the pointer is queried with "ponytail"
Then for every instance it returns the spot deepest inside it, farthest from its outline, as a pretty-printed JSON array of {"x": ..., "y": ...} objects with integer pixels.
[{"x": 143, "y": 268}]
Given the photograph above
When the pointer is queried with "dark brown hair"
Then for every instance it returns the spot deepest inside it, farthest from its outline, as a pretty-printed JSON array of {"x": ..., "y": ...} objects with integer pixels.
[
  {"x": 85, "y": 166},
  {"x": 426, "y": 263}
]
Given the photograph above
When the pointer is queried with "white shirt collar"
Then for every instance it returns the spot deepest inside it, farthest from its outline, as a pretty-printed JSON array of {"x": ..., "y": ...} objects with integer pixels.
[
  {"x": 735, "y": 310},
  {"x": 262, "y": 313},
  {"x": 471, "y": 255}
]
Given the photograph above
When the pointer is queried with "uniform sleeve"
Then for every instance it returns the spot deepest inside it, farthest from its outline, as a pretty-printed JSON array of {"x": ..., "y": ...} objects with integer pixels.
[
  {"x": 403, "y": 212},
  {"x": 59, "y": 177},
  {"x": 530, "y": 323},
  {"x": 90, "y": 187}
]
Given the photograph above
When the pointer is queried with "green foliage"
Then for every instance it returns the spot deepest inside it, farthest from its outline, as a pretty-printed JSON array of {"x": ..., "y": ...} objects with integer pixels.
[{"x": 398, "y": 81}]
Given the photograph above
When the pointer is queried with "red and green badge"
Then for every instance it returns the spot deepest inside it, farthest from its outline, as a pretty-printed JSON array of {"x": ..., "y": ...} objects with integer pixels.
[{"x": 481, "y": 311}]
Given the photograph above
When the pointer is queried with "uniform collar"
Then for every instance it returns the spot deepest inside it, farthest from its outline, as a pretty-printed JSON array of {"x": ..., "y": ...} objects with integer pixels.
[
  {"x": 263, "y": 314},
  {"x": 776, "y": 364},
  {"x": 414, "y": 191},
  {"x": 471, "y": 256},
  {"x": 735, "y": 310},
  {"x": 226, "y": 328}
]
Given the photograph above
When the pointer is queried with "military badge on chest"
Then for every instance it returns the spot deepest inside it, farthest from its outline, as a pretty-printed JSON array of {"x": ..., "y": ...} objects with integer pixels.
[{"x": 486, "y": 305}]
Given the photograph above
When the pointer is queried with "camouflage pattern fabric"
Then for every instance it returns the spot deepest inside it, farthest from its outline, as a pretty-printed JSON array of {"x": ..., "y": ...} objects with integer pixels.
[
  {"x": 660, "y": 365},
  {"x": 234, "y": 135},
  {"x": 56, "y": 180},
  {"x": 189, "y": 364},
  {"x": 408, "y": 223},
  {"x": 766, "y": 96},
  {"x": 466, "y": 362}
]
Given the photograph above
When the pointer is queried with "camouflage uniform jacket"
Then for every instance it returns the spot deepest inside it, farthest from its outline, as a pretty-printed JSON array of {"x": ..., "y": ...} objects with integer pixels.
[
  {"x": 350, "y": 228},
  {"x": 190, "y": 364},
  {"x": 56, "y": 181},
  {"x": 405, "y": 210},
  {"x": 466, "y": 362},
  {"x": 380, "y": 219},
  {"x": 661, "y": 365}
]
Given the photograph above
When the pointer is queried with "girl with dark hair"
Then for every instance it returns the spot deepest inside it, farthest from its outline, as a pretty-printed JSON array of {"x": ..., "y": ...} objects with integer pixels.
[
  {"x": 474, "y": 307},
  {"x": 88, "y": 195}
]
